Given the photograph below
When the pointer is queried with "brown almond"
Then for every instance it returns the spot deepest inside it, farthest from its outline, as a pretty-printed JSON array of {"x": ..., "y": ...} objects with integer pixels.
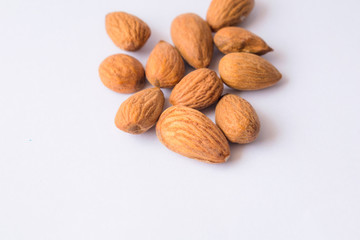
[
  {"x": 236, "y": 39},
  {"x": 127, "y": 31},
  {"x": 198, "y": 89},
  {"x": 223, "y": 13},
  {"x": 122, "y": 73},
  {"x": 165, "y": 67},
  {"x": 190, "y": 133},
  {"x": 245, "y": 71},
  {"x": 139, "y": 113},
  {"x": 237, "y": 119},
  {"x": 191, "y": 35}
]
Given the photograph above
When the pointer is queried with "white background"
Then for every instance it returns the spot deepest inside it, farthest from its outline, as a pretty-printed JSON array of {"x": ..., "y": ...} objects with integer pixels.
[{"x": 66, "y": 171}]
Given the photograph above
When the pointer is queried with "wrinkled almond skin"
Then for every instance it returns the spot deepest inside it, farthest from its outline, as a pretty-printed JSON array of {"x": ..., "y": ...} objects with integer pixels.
[
  {"x": 122, "y": 73},
  {"x": 246, "y": 71},
  {"x": 236, "y": 39},
  {"x": 139, "y": 113},
  {"x": 191, "y": 35},
  {"x": 127, "y": 31},
  {"x": 190, "y": 133},
  {"x": 237, "y": 119},
  {"x": 198, "y": 89},
  {"x": 165, "y": 66},
  {"x": 223, "y": 13}
]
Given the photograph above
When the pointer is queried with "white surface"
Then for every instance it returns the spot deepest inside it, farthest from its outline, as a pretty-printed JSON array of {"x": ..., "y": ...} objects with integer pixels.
[{"x": 66, "y": 172}]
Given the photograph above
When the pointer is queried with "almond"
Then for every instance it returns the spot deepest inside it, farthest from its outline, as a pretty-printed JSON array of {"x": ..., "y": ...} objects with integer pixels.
[
  {"x": 127, "y": 31},
  {"x": 122, "y": 73},
  {"x": 165, "y": 67},
  {"x": 190, "y": 133},
  {"x": 235, "y": 39},
  {"x": 223, "y": 13},
  {"x": 245, "y": 71},
  {"x": 199, "y": 89},
  {"x": 139, "y": 113},
  {"x": 191, "y": 35},
  {"x": 237, "y": 119}
]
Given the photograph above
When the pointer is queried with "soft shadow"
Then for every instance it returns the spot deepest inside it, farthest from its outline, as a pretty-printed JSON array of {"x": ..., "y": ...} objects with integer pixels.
[
  {"x": 209, "y": 110},
  {"x": 235, "y": 151},
  {"x": 217, "y": 55},
  {"x": 274, "y": 57},
  {"x": 154, "y": 39},
  {"x": 268, "y": 134},
  {"x": 268, "y": 130},
  {"x": 147, "y": 85},
  {"x": 283, "y": 81},
  {"x": 149, "y": 135},
  {"x": 228, "y": 90},
  {"x": 257, "y": 16},
  {"x": 167, "y": 103},
  {"x": 188, "y": 68}
]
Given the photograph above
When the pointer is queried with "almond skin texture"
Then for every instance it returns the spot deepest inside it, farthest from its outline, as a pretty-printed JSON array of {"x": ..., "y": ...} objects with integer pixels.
[
  {"x": 127, "y": 32},
  {"x": 122, "y": 73},
  {"x": 235, "y": 39},
  {"x": 223, "y": 13},
  {"x": 191, "y": 35},
  {"x": 190, "y": 133},
  {"x": 199, "y": 89},
  {"x": 165, "y": 67},
  {"x": 139, "y": 113},
  {"x": 245, "y": 71},
  {"x": 237, "y": 119}
]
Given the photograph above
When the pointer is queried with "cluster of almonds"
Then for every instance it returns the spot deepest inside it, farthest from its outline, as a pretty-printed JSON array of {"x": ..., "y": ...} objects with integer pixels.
[{"x": 183, "y": 128}]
